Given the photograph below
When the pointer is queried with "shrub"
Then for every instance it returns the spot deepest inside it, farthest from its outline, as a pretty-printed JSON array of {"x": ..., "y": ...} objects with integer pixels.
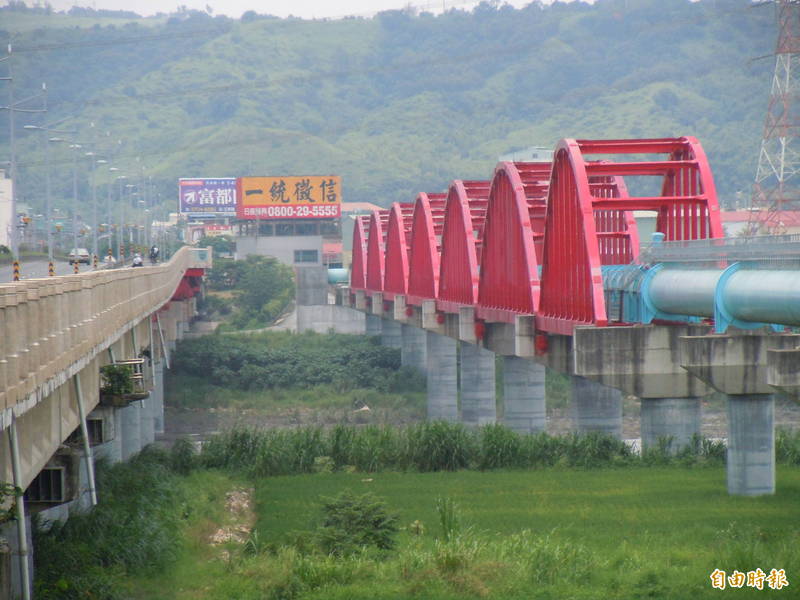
[
  {"x": 352, "y": 522},
  {"x": 133, "y": 528},
  {"x": 787, "y": 447},
  {"x": 116, "y": 379},
  {"x": 182, "y": 456}
]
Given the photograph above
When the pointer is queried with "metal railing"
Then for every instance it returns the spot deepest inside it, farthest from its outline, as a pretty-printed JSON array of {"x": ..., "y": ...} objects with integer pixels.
[{"x": 767, "y": 249}]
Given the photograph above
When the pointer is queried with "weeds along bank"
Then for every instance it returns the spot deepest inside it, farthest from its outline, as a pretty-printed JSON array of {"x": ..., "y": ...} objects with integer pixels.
[
  {"x": 282, "y": 360},
  {"x": 283, "y": 379},
  {"x": 444, "y": 446},
  {"x": 461, "y": 513}
]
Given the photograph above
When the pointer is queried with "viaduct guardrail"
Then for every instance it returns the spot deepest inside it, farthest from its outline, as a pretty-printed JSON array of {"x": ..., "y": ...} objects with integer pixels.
[{"x": 51, "y": 327}]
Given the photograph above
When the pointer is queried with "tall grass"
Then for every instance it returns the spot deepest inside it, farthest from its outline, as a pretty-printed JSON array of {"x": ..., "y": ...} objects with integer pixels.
[
  {"x": 134, "y": 528},
  {"x": 431, "y": 446}
]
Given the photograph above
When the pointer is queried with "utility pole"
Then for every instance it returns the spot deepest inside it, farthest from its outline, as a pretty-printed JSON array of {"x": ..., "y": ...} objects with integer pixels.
[
  {"x": 12, "y": 108},
  {"x": 777, "y": 186}
]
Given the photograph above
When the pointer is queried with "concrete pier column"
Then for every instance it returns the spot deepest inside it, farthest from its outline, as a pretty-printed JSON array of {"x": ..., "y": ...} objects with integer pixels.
[
  {"x": 131, "y": 418},
  {"x": 674, "y": 418},
  {"x": 751, "y": 444},
  {"x": 157, "y": 397},
  {"x": 413, "y": 352},
  {"x": 391, "y": 334},
  {"x": 373, "y": 325},
  {"x": 147, "y": 430},
  {"x": 478, "y": 399},
  {"x": 523, "y": 395},
  {"x": 596, "y": 407},
  {"x": 442, "y": 378}
]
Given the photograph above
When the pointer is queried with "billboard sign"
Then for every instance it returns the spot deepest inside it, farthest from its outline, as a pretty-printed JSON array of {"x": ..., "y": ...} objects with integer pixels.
[
  {"x": 212, "y": 230},
  {"x": 209, "y": 197},
  {"x": 304, "y": 197}
]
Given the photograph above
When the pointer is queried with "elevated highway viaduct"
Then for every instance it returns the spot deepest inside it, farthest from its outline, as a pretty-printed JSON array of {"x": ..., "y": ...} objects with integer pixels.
[{"x": 56, "y": 336}]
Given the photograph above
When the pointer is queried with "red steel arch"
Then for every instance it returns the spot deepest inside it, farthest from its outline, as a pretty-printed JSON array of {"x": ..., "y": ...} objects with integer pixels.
[
  {"x": 465, "y": 213},
  {"x": 618, "y": 236},
  {"x": 395, "y": 278},
  {"x": 358, "y": 264},
  {"x": 512, "y": 241},
  {"x": 583, "y": 211},
  {"x": 376, "y": 241},
  {"x": 425, "y": 245}
]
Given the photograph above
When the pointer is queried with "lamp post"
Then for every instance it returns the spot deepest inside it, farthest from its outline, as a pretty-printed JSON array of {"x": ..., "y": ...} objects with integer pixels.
[
  {"x": 129, "y": 188},
  {"x": 48, "y": 192},
  {"x": 95, "y": 162},
  {"x": 109, "y": 191},
  {"x": 120, "y": 226},
  {"x": 75, "y": 148}
]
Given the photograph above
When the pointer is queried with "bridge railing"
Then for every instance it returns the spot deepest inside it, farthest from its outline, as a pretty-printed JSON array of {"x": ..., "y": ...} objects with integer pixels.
[{"x": 50, "y": 327}]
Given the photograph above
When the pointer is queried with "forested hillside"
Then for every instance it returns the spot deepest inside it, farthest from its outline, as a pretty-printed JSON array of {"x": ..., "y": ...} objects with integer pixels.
[{"x": 397, "y": 104}]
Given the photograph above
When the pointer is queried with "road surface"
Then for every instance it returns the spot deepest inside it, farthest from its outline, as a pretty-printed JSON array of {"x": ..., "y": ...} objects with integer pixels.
[{"x": 33, "y": 269}]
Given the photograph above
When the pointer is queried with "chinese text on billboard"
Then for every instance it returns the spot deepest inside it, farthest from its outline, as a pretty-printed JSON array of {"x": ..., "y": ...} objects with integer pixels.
[
  {"x": 208, "y": 196},
  {"x": 306, "y": 197}
]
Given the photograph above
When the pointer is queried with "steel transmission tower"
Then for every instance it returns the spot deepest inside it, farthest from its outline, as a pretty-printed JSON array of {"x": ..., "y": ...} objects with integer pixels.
[{"x": 777, "y": 183}]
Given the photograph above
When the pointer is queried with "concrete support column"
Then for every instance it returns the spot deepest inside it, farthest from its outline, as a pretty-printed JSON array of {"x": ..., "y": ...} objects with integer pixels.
[
  {"x": 478, "y": 400},
  {"x": 373, "y": 325},
  {"x": 157, "y": 397},
  {"x": 523, "y": 395},
  {"x": 112, "y": 449},
  {"x": 391, "y": 334},
  {"x": 751, "y": 444},
  {"x": 675, "y": 418},
  {"x": 413, "y": 352},
  {"x": 147, "y": 430},
  {"x": 131, "y": 418},
  {"x": 596, "y": 407},
  {"x": 442, "y": 378}
]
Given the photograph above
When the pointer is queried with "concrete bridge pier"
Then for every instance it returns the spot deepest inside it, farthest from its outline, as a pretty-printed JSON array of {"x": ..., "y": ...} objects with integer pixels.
[
  {"x": 640, "y": 361},
  {"x": 131, "y": 428},
  {"x": 751, "y": 444},
  {"x": 442, "y": 377},
  {"x": 391, "y": 334},
  {"x": 737, "y": 364},
  {"x": 373, "y": 325},
  {"x": 523, "y": 395},
  {"x": 596, "y": 407},
  {"x": 675, "y": 419},
  {"x": 413, "y": 352},
  {"x": 111, "y": 449},
  {"x": 478, "y": 399},
  {"x": 157, "y": 396},
  {"x": 147, "y": 431}
]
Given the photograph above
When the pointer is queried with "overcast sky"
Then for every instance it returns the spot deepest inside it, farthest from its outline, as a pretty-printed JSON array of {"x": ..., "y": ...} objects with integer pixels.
[{"x": 282, "y": 8}]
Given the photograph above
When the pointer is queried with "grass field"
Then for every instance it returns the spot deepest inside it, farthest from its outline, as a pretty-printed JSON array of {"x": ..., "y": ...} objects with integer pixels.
[{"x": 553, "y": 533}]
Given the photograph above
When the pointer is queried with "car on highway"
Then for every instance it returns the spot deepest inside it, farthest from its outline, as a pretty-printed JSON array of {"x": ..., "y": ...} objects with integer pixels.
[{"x": 80, "y": 255}]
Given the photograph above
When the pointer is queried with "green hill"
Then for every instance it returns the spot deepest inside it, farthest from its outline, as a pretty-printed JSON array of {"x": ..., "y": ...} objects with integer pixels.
[{"x": 396, "y": 104}]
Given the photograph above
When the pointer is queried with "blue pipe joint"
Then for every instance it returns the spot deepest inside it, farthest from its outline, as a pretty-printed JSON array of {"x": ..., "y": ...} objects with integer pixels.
[
  {"x": 724, "y": 317},
  {"x": 648, "y": 310}
]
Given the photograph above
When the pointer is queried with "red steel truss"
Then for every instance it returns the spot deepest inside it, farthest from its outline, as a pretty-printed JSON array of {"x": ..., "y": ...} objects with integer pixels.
[
  {"x": 533, "y": 241},
  {"x": 376, "y": 244},
  {"x": 358, "y": 266},
  {"x": 426, "y": 235},
  {"x": 462, "y": 238},
  {"x": 395, "y": 279},
  {"x": 587, "y": 227},
  {"x": 512, "y": 241}
]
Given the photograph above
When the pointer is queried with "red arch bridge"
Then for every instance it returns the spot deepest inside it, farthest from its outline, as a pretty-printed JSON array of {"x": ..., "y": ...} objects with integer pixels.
[{"x": 542, "y": 265}]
